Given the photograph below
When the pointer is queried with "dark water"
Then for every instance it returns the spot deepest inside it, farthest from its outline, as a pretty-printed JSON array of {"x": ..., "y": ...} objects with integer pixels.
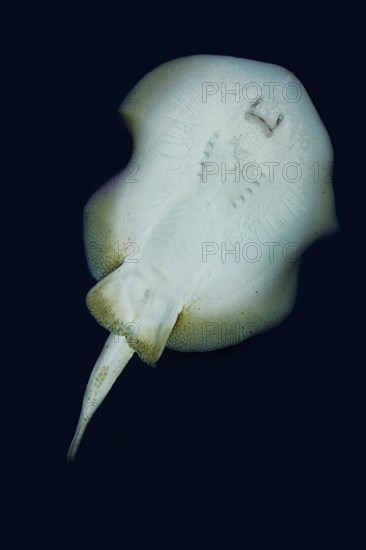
[{"x": 257, "y": 446}]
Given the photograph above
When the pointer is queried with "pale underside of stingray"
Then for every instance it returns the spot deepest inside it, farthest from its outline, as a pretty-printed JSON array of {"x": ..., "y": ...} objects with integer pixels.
[{"x": 196, "y": 243}]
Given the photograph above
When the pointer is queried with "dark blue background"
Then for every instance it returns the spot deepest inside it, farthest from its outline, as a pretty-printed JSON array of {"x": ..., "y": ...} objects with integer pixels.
[{"x": 257, "y": 446}]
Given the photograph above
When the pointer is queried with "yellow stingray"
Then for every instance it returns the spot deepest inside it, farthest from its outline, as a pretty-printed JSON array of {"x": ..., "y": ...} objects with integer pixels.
[{"x": 196, "y": 243}]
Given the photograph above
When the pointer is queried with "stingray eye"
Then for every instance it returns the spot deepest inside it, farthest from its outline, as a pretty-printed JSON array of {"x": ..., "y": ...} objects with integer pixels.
[{"x": 195, "y": 244}]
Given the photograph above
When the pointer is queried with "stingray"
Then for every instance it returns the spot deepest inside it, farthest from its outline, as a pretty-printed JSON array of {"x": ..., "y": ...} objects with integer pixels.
[{"x": 196, "y": 244}]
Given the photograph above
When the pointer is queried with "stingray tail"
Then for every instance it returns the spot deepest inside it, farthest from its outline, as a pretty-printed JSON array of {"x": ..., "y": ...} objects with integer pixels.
[{"x": 111, "y": 362}]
